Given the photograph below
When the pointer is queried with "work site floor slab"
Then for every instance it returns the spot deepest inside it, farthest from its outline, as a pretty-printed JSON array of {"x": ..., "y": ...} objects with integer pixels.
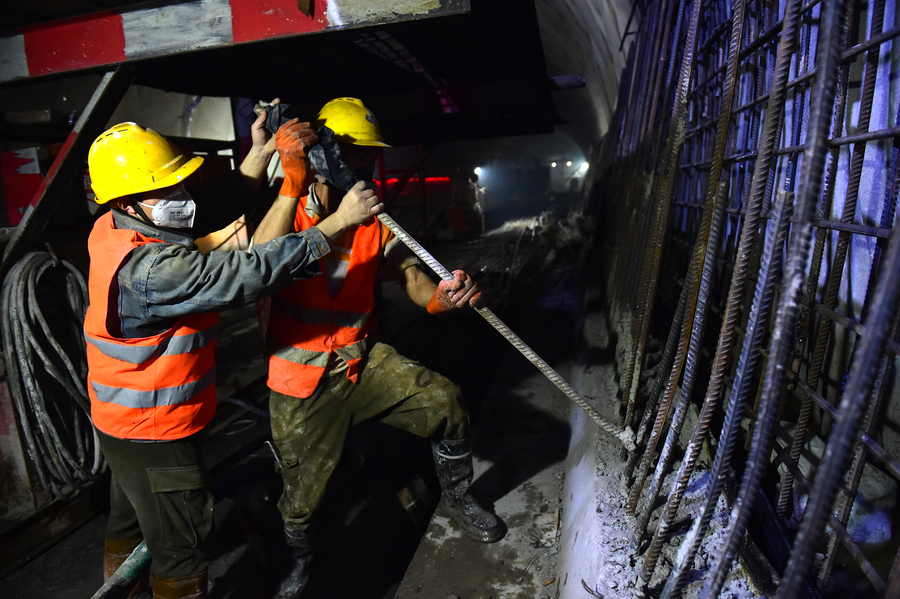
[{"x": 522, "y": 438}]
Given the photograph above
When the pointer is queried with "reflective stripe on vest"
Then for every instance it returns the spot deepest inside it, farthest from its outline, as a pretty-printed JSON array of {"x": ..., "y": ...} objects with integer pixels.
[
  {"x": 139, "y": 400},
  {"x": 156, "y": 388},
  {"x": 172, "y": 346},
  {"x": 307, "y": 323}
]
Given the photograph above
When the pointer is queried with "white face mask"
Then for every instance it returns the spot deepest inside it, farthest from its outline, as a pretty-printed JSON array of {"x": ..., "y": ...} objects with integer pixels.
[{"x": 176, "y": 210}]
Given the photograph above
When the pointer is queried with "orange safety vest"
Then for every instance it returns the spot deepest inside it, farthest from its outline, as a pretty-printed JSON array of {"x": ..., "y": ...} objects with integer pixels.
[
  {"x": 158, "y": 388},
  {"x": 307, "y": 323}
]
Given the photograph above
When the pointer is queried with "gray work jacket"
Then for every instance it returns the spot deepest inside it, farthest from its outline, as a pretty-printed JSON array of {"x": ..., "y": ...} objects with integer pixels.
[{"x": 161, "y": 282}]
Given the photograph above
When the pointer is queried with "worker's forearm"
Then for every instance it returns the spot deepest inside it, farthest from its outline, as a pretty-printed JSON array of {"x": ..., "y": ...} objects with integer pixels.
[
  {"x": 255, "y": 165},
  {"x": 278, "y": 221},
  {"x": 332, "y": 226},
  {"x": 418, "y": 286}
]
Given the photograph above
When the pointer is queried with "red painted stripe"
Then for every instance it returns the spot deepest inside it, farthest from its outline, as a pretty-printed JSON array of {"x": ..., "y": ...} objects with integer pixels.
[
  {"x": 253, "y": 20},
  {"x": 19, "y": 189},
  {"x": 63, "y": 152},
  {"x": 89, "y": 41}
]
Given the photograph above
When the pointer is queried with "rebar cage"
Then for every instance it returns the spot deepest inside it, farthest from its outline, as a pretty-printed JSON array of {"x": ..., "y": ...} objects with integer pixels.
[{"x": 750, "y": 180}]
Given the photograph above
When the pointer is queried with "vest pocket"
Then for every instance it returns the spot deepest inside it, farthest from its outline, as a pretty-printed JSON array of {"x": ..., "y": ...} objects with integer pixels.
[{"x": 184, "y": 508}]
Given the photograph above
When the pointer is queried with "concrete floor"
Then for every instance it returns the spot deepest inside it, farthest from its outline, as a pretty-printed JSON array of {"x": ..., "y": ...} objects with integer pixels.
[
  {"x": 522, "y": 438},
  {"x": 383, "y": 494}
]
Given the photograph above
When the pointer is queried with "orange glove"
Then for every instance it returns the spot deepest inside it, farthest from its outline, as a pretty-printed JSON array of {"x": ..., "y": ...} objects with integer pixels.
[
  {"x": 455, "y": 293},
  {"x": 292, "y": 140}
]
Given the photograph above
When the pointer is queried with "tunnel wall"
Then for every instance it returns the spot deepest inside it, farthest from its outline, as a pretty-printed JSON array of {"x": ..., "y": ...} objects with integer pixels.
[{"x": 745, "y": 197}]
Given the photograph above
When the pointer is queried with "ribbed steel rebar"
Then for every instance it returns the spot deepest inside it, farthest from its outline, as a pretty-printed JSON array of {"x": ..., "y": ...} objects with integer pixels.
[
  {"x": 888, "y": 210},
  {"x": 893, "y": 591},
  {"x": 809, "y": 186},
  {"x": 635, "y": 175},
  {"x": 876, "y": 451},
  {"x": 857, "y": 464},
  {"x": 661, "y": 212},
  {"x": 716, "y": 200},
  {"x": 626, "y": 437},
  {"x": 717, "y": 207},
  {"x": 850, "y": 410},
  {"x": 840, "y": 532},
  {"x": 840, "y": 254},
  {"x": 668, "y": 393},
  {"x": 653, "y": 399},
  {"x": 636, "y": 244},
  {"x": 770, "y": 135},
  {"x": 661, "y": 196},
  {"x": 668, "y": 7},
  {"x": 759, "y": 316}
]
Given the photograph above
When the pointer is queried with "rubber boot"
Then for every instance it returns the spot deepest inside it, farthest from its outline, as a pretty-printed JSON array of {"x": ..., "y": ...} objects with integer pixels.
[
  {"x": 453, "y": 460},
  {"x": 300, "y": 542},
  {"x": 187, "y": 587},
  {"x": 115, "y": 552}
]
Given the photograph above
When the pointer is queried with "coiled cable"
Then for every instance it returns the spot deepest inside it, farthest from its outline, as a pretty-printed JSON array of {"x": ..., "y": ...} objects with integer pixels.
[{"x": 43, "y": 302}]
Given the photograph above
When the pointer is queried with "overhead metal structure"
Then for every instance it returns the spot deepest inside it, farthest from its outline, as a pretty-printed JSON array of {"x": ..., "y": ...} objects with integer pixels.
[{"x": 432, "y": 70}]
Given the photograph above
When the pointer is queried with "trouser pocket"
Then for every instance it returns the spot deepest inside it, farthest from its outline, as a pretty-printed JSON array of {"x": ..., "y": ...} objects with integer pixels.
[{"x": 184, "y": 508}]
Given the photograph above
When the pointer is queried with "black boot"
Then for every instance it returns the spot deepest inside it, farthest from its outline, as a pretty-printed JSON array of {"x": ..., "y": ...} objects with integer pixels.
[
  {"x": 300, "y": 542},
  {"x": 453, "y": 460}
]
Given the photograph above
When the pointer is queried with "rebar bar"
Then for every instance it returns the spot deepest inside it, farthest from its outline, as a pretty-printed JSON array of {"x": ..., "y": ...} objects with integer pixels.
[
  {"x": 653, "y": 399},
  {"x": 850, "y": 411},
  {"x": 710, "y": 245},
  {"x": 839, "y": 527},
  {"x": 661, "y": 211},
  {"x": 771, "y": 129},
  {"x": 626, "y": 437},
  {"x": 893, "y": 590},
  {"x": 840, "y": 254},
  {"x": 808, "y": 190},
  {"x": 714, "y": 190},
  {"x": 891, "y": 465},
  {"x": 661, "y": 196}
]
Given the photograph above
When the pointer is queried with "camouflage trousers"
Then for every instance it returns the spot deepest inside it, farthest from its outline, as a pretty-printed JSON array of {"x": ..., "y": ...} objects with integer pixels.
[{"x": 310, "y": 432}]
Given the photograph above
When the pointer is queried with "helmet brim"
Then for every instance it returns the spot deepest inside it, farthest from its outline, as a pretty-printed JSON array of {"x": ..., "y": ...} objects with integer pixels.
[
  {"x": 174, "y": 178},
  {"x": 372, "y": 143}
]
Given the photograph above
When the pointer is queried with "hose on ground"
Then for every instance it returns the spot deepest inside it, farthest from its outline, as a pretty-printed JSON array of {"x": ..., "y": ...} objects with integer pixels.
[{"x": 43, "y": 302}]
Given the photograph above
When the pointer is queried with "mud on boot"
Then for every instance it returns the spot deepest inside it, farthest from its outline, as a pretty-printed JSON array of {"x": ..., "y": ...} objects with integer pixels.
[
  {"x": 453, "y": 462},
  {"x": 300, "y": 542}
]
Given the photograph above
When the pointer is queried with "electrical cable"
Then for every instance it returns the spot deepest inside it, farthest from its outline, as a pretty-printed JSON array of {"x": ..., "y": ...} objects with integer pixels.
[{"x": 43, "y": 302}]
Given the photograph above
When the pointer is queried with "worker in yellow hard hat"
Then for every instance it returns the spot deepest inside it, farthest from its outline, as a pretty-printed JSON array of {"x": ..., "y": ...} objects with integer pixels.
[
  {"x": 326, "y": 374},
  {"x": 151, "y": 329}
]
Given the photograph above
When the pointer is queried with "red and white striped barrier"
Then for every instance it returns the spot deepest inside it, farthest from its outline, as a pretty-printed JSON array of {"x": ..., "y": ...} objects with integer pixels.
[{"x": 107, "y": 38}]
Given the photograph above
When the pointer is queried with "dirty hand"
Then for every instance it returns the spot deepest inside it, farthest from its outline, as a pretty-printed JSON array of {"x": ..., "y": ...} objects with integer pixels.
[
  {"x": 455, "y": 293},
  {"x": 292, "y": 141},
  {"x": 359, "y": 205},
  {"x": 262, "y": 139}
]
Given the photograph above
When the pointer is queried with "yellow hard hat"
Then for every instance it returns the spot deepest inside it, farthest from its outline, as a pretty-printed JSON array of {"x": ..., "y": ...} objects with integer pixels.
[
  {"x": 128, "y": 159},
  {"x": 351, "y": 122}
]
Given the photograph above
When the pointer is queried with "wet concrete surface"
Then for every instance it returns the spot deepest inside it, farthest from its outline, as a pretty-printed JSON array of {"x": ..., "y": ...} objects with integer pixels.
[
  {"x": 383, "y": 494},
  {"x": 521, "y": 441}
]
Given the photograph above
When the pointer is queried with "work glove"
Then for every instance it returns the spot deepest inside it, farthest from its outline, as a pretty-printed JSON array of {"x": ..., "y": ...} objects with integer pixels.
[
  {"x": 292, "y": 141},
  {"x": 455, "y": 293}
]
